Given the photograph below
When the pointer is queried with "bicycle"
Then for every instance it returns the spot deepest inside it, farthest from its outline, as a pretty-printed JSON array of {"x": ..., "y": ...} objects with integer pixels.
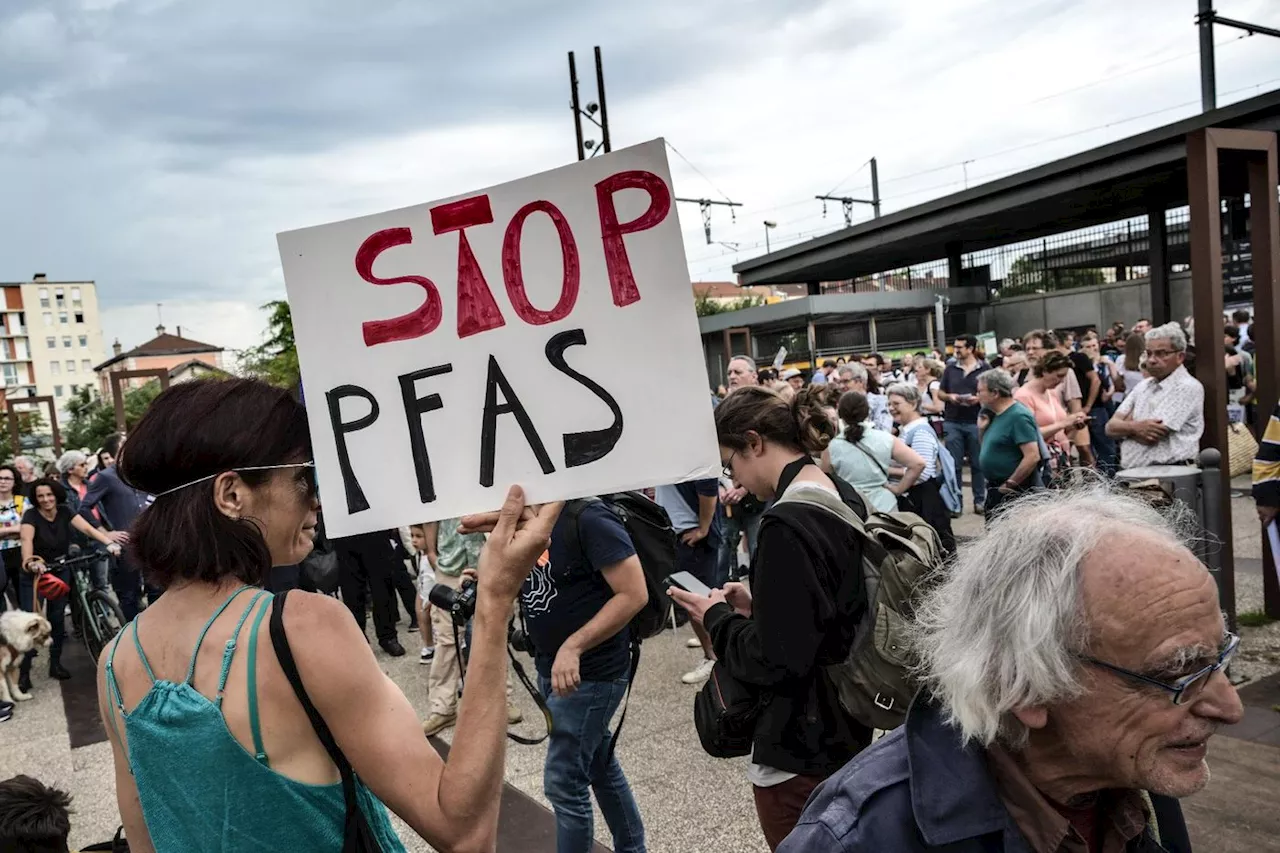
[{"x": 94, "y": 612}]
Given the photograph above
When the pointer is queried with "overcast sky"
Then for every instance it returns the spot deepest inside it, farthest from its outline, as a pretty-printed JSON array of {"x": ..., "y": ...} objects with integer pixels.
[{"x": 157, "y": 146}]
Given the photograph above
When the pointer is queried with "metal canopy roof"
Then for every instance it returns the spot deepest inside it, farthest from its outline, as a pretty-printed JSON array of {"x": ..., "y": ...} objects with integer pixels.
[{"x": 1115, "y": 181}]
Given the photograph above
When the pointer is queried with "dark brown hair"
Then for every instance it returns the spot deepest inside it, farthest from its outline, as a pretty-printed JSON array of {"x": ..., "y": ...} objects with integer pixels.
[
  {"x": 1051, "y": 362},
  {"x": 34, "y": 818},
  {"x": 59, "y": 491},
  {"x": 854, "y": 410},
  {"x": 201, "y": 429},
  {"x": 801, "y": 425},
  {"x": 1133, "y": 347}
]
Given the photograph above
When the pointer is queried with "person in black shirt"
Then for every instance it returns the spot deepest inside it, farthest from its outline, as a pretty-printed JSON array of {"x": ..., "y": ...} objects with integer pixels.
[
  {"x": 46, "y": 536},
  {"x": 806, "y": 599},
  {"x": 576, "y": 605}
]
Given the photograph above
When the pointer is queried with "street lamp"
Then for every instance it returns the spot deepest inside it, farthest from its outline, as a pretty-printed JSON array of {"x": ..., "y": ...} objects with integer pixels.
[{"x": 769, "y": 225}]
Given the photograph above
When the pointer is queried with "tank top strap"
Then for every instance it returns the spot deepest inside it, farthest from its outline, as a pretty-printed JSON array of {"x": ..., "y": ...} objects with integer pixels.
[
  {"x": 259, "y": 752},
  {"x": 142, "y": 656},
  {"x": 230, "y": 649},
  {"x": 195, "y": 653}
]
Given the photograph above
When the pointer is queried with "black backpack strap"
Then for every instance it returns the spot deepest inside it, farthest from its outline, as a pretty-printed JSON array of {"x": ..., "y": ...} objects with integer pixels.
[
  {"x": 626, "y": 700},
  {"x": 356, "y": 824}
]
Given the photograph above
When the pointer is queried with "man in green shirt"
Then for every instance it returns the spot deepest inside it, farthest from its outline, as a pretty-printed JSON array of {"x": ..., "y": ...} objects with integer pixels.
[{"x": 1010, "y": 454}]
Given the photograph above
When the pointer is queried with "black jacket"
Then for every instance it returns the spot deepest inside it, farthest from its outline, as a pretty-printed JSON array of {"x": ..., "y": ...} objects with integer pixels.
[{"x": 807, "y": 598}]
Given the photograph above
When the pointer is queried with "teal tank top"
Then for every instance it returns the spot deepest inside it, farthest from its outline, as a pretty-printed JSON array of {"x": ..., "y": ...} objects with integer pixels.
[{"x": 200, "y": 789}]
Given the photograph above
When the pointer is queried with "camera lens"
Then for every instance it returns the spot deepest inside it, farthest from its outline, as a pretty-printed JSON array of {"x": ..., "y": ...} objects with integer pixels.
[{"x": 442, "y": 596}]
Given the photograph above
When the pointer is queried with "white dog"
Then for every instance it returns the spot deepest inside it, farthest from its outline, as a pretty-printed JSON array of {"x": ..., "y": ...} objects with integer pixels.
[{"x": 20, "y": 632}]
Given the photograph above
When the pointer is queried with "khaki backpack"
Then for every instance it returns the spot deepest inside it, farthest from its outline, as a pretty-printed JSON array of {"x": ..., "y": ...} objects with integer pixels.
[{"x": 901, "y": 558}]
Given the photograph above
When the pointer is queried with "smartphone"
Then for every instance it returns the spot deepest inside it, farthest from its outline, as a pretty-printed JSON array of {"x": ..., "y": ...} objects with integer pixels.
[{"x": 688, "y": 583}]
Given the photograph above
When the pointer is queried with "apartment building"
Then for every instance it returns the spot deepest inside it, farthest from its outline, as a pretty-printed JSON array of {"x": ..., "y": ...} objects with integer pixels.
[{"x": 52, "y": 338}]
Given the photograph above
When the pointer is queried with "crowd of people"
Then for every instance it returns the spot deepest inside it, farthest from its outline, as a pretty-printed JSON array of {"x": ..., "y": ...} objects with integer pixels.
[
  {"x": 1066, "y": 699},
  {"x": 78, "y": 503}
]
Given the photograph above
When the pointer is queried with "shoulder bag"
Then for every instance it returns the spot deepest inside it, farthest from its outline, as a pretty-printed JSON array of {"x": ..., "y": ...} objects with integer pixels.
[{"x": 357, "y": 835}]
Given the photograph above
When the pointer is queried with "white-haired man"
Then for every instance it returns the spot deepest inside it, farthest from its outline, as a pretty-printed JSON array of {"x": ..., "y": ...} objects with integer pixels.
[
  {"x": 1160, "y": 422},
  {"x": 741, "y": 372},
  {"x": 1074, "y": 665},
  {"x": 853, "y": 377}
]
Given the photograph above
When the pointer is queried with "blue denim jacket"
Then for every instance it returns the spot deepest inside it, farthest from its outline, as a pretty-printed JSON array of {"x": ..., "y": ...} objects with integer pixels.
[{"x": 917, "y": 790}]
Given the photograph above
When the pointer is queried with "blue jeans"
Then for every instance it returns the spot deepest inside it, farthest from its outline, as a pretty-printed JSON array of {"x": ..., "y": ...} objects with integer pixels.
[
  {"x": 734, "y": 526},
  {"x": 578, "y": 762},
  {"x": 1104, "y": 447},
  {"x": 962, "y": 440}
]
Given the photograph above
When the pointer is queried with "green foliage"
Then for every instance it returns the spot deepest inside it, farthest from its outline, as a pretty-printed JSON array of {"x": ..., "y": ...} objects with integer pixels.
[
  {"x": 29, "y": 423},
  {"x": 1027, "y": 275},
  {"x": 1253, "y": 619},
  {"x": 92, "y": 419},
  {"x": 275, "y": 360},
  {"x": 706, "y": 306}
]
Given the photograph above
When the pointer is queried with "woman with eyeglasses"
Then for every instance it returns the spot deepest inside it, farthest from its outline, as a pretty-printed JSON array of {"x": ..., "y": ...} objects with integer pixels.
[
  {"x": 804, "y": 603},
  {"x": 12, "y": 506},
  {"x": 202, "y": 694}
]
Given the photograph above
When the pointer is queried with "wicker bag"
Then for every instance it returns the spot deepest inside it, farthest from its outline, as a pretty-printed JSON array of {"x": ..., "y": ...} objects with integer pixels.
[{"x": 1241, "y": 448}]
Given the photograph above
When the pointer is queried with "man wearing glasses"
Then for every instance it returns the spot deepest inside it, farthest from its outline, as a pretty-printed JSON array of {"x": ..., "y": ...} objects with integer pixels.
[
  {"x": 1160, "y": 422},
  {"x": 1074, "y": 671}
]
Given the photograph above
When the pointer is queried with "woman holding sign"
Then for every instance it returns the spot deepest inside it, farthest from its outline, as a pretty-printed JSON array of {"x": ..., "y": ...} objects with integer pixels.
[{"x": 229, "y": 734}]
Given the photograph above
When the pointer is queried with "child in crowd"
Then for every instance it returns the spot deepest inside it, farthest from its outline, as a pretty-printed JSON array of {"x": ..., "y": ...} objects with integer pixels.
[
  {"x": 426, "y": 580},
  {"x": 33, "y": 817}
]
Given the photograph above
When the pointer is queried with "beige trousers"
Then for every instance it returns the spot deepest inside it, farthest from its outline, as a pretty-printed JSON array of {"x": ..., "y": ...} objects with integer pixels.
[{"x": 442, "y": 680}]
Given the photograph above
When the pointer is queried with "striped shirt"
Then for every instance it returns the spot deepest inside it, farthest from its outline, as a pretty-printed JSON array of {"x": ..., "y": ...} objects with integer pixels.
[{"x": 1266, "y": 465}]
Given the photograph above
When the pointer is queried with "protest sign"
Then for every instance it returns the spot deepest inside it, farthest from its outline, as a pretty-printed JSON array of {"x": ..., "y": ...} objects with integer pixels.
[{"x": 540, "y": 332}]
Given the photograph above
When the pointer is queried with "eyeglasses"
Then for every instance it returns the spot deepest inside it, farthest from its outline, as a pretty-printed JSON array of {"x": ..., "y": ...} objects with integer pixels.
[
  {"x": 727, "y": 466},
  {"x": 1160, "y": 353},
  {"x": 312, "y": 486},
  {"x": 1189, "y": 684}
]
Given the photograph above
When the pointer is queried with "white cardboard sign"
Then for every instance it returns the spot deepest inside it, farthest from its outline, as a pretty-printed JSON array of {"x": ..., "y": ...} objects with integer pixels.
[{"x": 540, "y": 332}]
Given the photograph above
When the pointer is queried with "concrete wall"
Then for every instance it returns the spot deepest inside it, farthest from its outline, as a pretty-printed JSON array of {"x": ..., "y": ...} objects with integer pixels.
[{"x": 1100, "y": 306}]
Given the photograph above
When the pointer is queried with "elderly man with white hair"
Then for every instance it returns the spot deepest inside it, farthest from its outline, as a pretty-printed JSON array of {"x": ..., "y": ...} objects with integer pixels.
[
  {"x": 853, "y": 377},
  {"x": 1160, "y": 422},
  {"x": 1073, "y": 663}
]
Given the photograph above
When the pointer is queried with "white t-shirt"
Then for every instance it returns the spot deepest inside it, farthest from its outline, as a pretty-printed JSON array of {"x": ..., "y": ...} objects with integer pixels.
[{"x": 923, "y": 440}]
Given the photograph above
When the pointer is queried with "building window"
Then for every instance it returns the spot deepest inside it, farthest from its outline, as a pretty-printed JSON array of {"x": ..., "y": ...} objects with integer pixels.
[
  {"x": 59, "y": 296},
  {"x": 62, "y": 317},
  {"x": 75, "y": 294},
  {"x": 44, "y": 297},
  {"x": 10, "y": 374},
  {"x": 75, "y": 389},
  {"x": 48, "y": 318},
  {"x": 71, "y": 365},
  {"x": 57, "y": 390},
  {"x": 66, "y": 342},
  {"x": 55, "y": 368},
  {"x": 86, "y": 365},
  {"x": 52, "y": 343},
  {"x": 79, "y": 317},
  {"x": 84, "y": 342}
]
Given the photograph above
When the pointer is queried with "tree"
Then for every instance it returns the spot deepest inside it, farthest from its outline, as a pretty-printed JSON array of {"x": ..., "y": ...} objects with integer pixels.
[
  {"x": 706, "y": 306},
  {"x": 1028, "y": 275},
  {"x": 92, "y": 419},
  {"x": 30, "y": 423},
  {"x": 275, "y": 360}
]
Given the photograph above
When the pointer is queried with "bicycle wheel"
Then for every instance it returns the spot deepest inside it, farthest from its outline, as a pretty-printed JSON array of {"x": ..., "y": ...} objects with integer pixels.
[
  {"x": 105, "y": 618},
  {"x": 89, "y": 633}
]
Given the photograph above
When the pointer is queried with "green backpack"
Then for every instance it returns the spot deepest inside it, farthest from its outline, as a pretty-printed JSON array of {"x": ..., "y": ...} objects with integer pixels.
[{"x": 901, "y": 558}]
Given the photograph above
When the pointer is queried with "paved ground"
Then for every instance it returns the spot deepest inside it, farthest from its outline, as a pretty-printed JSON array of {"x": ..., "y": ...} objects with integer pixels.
[{"x": 689, "y": 800}]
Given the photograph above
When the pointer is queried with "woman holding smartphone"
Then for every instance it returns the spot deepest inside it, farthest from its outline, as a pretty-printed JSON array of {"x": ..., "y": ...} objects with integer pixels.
[{"x": 806, "y": 598}]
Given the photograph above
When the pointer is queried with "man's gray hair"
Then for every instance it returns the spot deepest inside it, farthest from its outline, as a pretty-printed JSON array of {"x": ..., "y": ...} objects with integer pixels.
[
  {"x": 751, "y": 362},
  {"x": 853, "y": 372},
  {"x": 998, "y": 381},
  {"x": 24, "y": 460},
  {"x": 1170, "y": 332},
  {"x": 69, "y": 460},
  {"x": 1005, "y": 628},
  {"x": 908, "y": 392}
]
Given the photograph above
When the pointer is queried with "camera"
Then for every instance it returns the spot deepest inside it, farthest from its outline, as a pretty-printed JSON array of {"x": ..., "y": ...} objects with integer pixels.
[{"x": 460, "y": 602}]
